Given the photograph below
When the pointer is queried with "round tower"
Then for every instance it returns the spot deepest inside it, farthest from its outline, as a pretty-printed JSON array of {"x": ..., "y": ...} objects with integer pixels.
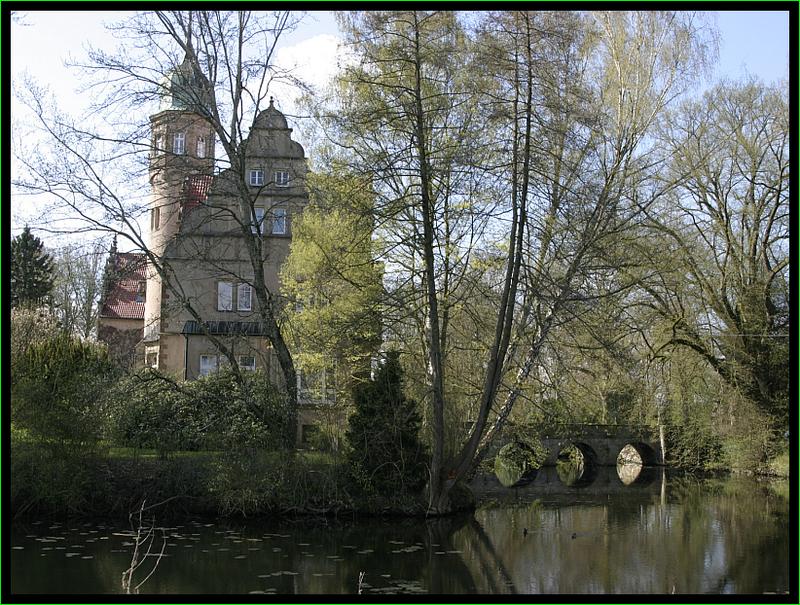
[{"x": 182, "y": 146}]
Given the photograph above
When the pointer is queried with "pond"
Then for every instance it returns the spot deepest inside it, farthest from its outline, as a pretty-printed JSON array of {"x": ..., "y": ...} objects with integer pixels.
[{"x": 658, "y": 534}]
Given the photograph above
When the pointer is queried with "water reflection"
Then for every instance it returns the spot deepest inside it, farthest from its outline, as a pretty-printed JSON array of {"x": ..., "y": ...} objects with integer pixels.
[{"x": 686, "y": 536}]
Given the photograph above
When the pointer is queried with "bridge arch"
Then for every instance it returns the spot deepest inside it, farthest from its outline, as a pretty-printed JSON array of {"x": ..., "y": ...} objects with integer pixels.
[
  {"x": 576, "y": 464},
  {"x": 637, "y": 452}
]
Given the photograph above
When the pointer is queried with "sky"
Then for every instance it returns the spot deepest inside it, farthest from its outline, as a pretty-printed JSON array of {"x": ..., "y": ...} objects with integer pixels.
[{"x": 751, "y": 43}]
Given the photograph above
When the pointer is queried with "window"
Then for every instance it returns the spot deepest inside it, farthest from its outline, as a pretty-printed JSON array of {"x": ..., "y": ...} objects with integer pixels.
[
  {"x": 247, "y": 362},
  {"x": 155, "y": 219},
  {"x": 258, "y": 226},
  {"x": 279, "y": 221},
  {"x": 244, "y": 297},
  {"x": 151, "y": 360},
  {"x": 201, "y": 147},
  {"x": 224, "y": 296},
  {"x": 141, "y": 289},
  {"x": 208, "y": 364},
  {"x": 257, "y": 177},
  {"x": 179, "y": 143},
  {"x": 282, "y": 178},
  {"x": 159, "y": 144},
  {"x": 313, "y": 387}
]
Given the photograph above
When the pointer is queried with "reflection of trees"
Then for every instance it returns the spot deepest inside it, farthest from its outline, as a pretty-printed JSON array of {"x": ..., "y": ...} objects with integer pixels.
[{"x": 705, "y": 536}]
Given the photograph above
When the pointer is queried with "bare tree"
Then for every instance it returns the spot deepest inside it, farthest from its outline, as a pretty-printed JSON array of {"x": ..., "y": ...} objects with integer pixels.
[
  {"x": 77, "y": 288},
  {"x": 725, "y": 295},
  {"x": 226, "y": 57}
]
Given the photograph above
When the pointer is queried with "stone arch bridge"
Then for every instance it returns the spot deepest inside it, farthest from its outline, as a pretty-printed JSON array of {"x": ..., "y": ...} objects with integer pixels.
[{"x": 601, "y": 444}]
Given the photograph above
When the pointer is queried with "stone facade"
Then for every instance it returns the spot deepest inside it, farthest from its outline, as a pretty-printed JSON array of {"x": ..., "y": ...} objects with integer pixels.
[{"x": 199, "y": 232}]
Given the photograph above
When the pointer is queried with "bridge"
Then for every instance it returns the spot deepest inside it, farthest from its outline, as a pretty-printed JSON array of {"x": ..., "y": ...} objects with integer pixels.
[{"x": 600, "y": 444}]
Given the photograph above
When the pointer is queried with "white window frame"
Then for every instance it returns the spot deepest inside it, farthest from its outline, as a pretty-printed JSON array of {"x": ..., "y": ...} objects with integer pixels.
[
  {"x": 240, "y": 291},
  {"x": 159, "y": 143},
  {"x": 206, "y": 367},
  {"x": 201, "y": 147},
  {"x": 281, "y": 178},
  {"x": 279, "y": 216},
  {"x": 179, "y": 143},
  {"x": 222, "y": 303},
  {"x": 256, "y": 177},
  {"x": 155, "y": 218},
  {"x": 258, "y": 227},
  {"x": 248, "y": 367}
]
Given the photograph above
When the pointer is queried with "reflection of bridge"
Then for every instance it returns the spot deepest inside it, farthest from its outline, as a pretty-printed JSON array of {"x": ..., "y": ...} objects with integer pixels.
[
  {"x": 547, "y": 481},
  {"x": 600, "y": 444}
]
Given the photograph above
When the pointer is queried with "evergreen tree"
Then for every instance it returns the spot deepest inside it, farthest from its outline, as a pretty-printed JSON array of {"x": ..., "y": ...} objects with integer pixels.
[
  {"x": 31, "y": 270},
  {"x": 386, "y": 453}
]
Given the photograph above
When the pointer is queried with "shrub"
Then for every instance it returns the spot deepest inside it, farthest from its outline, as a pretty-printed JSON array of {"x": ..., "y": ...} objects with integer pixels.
[
  {"x": 153, "y": 411},
  {"x": 386, "y": 454},
  {"x": 30, "y": 327},
  {"x": 59, "y": 388},
  {"x": 251, "y": 414},
  {"x": 214, "y": 412}
]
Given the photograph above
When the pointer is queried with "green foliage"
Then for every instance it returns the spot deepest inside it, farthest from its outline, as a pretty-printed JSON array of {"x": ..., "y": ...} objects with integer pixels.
[
  {"x": 258, "y": 482},
  {"x": 693, "y": 445},
  {"x": 216, "y": 412},
  {"x": 31, "y": 270},
  {"x": 516, "y": 462},
  {"x": 29, "y": 327},
  {"x": 386, "y": 453},
  {"x": 251, "y": 414},
  {"x": 331, "y": 274},
  {"x": 59, "y": 390},
  {"x": 152, "y": 411}
]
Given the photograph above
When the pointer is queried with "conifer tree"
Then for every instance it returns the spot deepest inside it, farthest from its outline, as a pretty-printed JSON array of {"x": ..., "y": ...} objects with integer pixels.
[
  {"x": 384, "y": 433},
  {"x": 31, "y": 270}
]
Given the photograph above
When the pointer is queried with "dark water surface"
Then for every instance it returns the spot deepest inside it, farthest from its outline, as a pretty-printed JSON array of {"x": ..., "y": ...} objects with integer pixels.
[{"x": 656, "y": 535}]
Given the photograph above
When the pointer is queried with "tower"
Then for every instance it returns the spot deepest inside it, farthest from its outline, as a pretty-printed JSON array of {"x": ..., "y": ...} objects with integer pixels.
[{"x": 182, "y": 151}]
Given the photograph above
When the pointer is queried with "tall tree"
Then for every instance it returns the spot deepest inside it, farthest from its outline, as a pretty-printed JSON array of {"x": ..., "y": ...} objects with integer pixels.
[
  {"x": 544, "y": 158},
  {"x": 334, "y": 280},
  {"x": 727, "y": 227},
  {"x": 31, "y": 271}
]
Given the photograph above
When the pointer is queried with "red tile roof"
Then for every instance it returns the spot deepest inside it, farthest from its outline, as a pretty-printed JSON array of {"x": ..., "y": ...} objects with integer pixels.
[
  {"x": 196, "y": 189},
  {"x": 129, "y": 270}
]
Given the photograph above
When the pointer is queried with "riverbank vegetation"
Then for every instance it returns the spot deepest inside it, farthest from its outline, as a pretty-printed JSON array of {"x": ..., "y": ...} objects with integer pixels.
[{"x": 533, "y": 207}]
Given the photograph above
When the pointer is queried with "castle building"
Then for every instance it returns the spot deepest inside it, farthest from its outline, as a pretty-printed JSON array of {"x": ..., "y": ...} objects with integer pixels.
[{"x": 197, "y": 285}]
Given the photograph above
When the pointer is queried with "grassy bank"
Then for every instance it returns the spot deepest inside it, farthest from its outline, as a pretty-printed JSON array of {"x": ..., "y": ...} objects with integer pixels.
[{"x": 114, "y": 483}]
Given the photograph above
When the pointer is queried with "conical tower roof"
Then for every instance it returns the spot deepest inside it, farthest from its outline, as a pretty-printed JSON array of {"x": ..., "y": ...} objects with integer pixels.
[{"x": 181, "y": 89}]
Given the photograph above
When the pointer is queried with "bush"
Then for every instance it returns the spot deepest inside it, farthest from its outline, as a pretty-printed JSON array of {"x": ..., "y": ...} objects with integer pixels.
[
  {"x": 153, "y": 411},
  {"x": 261, "y": 482},
  {"x": 251, "y": 414},
  {"x": 30, "y": 327},
  {"x": 386, "y": 454},
  {"x": 215, "y": 412},
  {"x": 59, "y": 388}
]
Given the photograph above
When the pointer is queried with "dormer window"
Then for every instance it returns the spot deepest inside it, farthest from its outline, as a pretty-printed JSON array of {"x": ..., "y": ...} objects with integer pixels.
[
  {"x": 281, "y": 178},
  {"x": 201, "y": 147},
  {"x": 141, "y": 289},
  {"x": 179, "y": 143},
  {"x": 257, "y": 177}
]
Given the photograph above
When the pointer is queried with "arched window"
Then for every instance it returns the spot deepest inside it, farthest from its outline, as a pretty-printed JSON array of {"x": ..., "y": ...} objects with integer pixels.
[{"x": 201, "y": 147}]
